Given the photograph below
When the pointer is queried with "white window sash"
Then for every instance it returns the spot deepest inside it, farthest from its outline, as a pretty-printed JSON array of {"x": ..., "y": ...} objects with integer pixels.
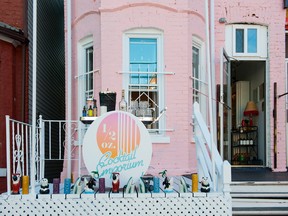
[
  {"x": 146, "y": 33},
  {"x": 245, "y": 28}
]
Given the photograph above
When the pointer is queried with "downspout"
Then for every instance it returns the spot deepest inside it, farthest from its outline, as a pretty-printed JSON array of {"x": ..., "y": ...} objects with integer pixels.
[
  {"x": 24, "y": 58},
  {"x": 212, "y": 53},
  {"x": 23, "y": 107},
  {"x": 69, "y": 71},
  {"x": 275, "y": 125},
  {"x": 221, "y": 108},
  {"x": 34, "y": 80},
  {"x": 209, "y": 91}
]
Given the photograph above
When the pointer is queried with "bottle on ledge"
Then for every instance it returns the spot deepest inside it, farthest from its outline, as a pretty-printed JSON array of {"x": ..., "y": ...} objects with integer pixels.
[
  {"x": 123, "y": 103},
  {"x": 95, "y": 108},
  {"x": 84, "y": 112},
  {"x": 90, "y": 111}
]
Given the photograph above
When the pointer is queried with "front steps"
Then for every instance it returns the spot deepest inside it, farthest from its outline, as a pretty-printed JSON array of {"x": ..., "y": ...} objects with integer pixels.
[{"x": 259, "y": 198}]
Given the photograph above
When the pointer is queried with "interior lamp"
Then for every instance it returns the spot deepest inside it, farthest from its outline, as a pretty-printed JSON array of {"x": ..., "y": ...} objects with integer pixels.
[{"x": 251, "y": 110}]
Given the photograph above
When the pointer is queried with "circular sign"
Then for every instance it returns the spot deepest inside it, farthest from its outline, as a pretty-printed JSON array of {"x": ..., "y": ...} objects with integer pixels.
[{"x": 117, "y": 142}]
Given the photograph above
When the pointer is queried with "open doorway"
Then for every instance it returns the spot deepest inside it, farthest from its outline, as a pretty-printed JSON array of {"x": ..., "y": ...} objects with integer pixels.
[{"x": 247, "y": 113}]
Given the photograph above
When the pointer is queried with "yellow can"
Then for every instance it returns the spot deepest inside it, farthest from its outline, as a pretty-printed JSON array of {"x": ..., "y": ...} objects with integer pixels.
[
  {"x": 194, "y": 182},
  {"x": 25, "y": 184}
]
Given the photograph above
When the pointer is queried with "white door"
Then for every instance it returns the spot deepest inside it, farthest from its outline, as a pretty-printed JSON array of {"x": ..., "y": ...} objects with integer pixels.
[{"x": 224, "y": 125}]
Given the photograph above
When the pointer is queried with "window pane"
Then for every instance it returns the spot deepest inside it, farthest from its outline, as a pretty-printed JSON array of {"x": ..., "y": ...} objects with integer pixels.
[
  {"x": 89, "y": 76},
  {"x": 195, "y": 74},
  {"x": 143, "y": 87},
  {"x": 239, "y": 40},
  {"x": 143, "y": 57},
  {"x": 143, "y": 50},
  {"x": 252, "y": 40}
]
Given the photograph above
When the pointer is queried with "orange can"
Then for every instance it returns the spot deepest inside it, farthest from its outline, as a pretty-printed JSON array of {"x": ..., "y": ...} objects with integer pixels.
[
  {"x": 25, "y": 184},
  {"x": 194, "y": 182}
]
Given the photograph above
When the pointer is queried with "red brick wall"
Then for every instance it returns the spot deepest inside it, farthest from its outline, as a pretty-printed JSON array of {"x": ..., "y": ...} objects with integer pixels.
[{"x": 13, "y": 13}]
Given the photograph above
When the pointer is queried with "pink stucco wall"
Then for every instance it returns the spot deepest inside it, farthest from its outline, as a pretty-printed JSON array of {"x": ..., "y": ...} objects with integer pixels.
[
  {"x": 179, "y": 20},
  {"x": 173, "y": 18},
  {"x": 272, "y": 15}
]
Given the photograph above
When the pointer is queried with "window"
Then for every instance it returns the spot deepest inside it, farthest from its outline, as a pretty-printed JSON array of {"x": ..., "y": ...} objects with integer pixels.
[
  {"x": 85, "y": 72},
  {"x": 246, "y": 40},
  {"x": 89, "y": 72},
  {"x": 195, "y": 73},
  {"x": 144, "y": 77},
  {"x": 239, "y": 40},
  {"x": 199, "y": 84}
]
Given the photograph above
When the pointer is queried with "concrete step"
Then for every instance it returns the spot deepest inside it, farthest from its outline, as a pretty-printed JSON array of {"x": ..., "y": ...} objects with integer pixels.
[
  {"x": 259, "y": 187},
  {"x": 259, "y": 198}
]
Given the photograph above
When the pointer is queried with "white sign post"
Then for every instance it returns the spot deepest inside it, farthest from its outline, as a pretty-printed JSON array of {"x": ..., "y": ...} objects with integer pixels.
[{"x": 117, "y": 142}]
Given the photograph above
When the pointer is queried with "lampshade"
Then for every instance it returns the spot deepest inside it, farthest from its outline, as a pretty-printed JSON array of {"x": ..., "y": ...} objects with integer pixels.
[{"x": 251, "y": 109}]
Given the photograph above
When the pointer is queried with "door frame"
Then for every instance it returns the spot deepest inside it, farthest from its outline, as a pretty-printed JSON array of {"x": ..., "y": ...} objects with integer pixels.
[{"x": 225, "y": 105}]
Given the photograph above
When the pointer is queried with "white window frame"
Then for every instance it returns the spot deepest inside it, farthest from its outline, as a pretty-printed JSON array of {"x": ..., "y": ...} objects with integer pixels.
[
  {"x": 158, "y": 137},
  {"x": 245, "y": 28},
  {"x": 262, "y": 42},
  {"x": 203, "y": 85},
  {"x": 90, "y": 73},
  {"x": 82, "y": 46}
]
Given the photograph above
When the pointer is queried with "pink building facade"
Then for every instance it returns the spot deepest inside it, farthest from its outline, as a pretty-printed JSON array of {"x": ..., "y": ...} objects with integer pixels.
[
  {"x": 262, "y": 69},
  {"x": 157, "y": 52}
]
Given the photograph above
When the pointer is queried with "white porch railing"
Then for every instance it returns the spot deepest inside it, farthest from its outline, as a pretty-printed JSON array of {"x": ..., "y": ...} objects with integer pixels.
[
  {"x": 176, "y": 203},
  {"x": 54, "y": 141},
  {"x": 19, "y": 146},
  {"x": 210, "y": 163},
  {"x": 51, "y": 139}
]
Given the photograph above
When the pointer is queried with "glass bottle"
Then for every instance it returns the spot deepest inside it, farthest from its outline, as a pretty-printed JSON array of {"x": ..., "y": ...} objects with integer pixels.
[
  {"x": 90, "y": 111},
  {"x": 84, "y": 112},
  {"x": 123, "y": 103},
  {"x": 95, "y": 108}
]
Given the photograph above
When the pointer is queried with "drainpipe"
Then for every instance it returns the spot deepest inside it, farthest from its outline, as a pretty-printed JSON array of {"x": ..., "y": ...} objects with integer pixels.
[
  {"x": 23, "y": 83},
  {"x": 210, "y": 91},
  {"x": 275, "y": 125},
  {"x": 8, "y": 153},
  {"x": 212, "y": 53},
  {"x": 34, "y": 80},
  {"x": 69, "y": 98}
]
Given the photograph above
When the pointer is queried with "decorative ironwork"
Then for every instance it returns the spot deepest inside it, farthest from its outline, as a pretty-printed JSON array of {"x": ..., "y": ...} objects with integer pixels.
[
  {"x": 73, "y": 130},
  {"x": 18, "y": 154}
]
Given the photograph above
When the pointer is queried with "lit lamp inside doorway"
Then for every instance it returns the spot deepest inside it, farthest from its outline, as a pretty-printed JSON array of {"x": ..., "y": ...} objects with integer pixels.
[{"x": 251, "y": 110}]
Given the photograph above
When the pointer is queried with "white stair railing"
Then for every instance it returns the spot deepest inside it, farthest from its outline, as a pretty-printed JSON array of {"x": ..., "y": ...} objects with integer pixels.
[{"x": 208, "y": 156}]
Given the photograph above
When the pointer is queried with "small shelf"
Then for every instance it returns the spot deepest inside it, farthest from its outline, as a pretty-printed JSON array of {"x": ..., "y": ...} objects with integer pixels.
[
  {"x": 244, "y": 149},
  {"x": 146, "y": 120},
  {"x": 87, "y": 119}
]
